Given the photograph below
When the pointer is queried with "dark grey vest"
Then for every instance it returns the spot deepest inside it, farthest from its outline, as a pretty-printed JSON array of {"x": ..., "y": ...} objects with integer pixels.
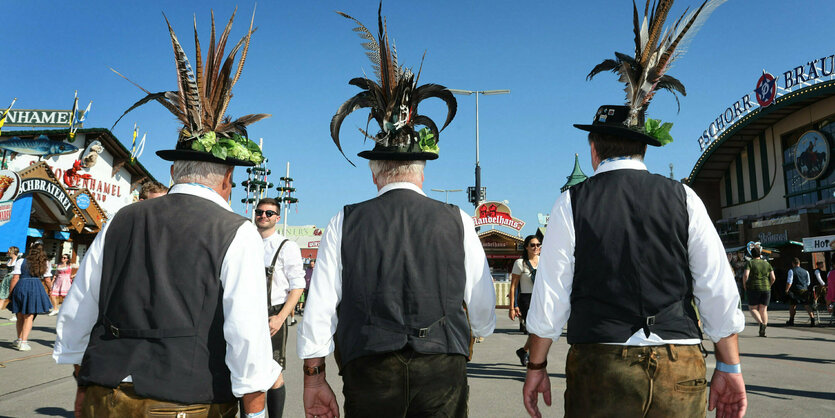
[
  {"x": 631, "y": 267},
  {"x": 402, "y": 277},
  {"x": 801, "y": 279},
  {"x": 160, "y": 308}
]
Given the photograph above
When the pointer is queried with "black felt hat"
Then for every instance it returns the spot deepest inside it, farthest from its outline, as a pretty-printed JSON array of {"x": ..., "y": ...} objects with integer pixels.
[{"x": 611, "y": 120}]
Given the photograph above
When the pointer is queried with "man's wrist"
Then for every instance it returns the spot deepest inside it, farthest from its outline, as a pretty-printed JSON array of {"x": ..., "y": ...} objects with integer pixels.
[{"x": 728, "y": 368}]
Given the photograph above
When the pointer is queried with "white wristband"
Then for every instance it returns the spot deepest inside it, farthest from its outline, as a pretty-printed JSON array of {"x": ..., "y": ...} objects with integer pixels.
[
  {"x": 255, "y": 414},
  {"x": 728, "y": 368}
]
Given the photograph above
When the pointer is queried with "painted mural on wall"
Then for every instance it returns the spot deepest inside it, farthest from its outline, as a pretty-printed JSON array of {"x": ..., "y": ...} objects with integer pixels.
[{"x": 89, "y": 168}]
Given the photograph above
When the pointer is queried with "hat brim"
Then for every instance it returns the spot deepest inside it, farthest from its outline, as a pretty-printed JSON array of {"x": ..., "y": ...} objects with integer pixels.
[
  {"x": 193, "y": 155},
  {"x": 620, "y": 132},
  {"x": 397, "y": 156}
]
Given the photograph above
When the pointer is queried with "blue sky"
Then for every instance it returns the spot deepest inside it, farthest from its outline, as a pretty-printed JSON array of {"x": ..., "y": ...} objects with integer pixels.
[{"x": 303, "y": 55}]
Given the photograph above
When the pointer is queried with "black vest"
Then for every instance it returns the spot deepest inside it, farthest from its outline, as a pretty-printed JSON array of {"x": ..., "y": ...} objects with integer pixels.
[
  {"x": 631, "y": 267},
  {"x": 160, "y": 308},
  {"x": 402, "y": 277}
]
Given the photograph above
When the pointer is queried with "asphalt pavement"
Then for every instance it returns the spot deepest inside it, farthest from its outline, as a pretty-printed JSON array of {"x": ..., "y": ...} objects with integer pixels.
[{"x": 790, "y": 373}]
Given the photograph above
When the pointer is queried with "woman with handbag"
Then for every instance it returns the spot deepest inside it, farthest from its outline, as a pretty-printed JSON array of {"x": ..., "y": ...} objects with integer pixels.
[{"x": 522, "y": 278}]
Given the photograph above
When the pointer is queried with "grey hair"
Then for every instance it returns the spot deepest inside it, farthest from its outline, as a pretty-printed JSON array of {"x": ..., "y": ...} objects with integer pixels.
[
  {"x": 389, "y": 171},
  {"x": 206, "y": 173}
]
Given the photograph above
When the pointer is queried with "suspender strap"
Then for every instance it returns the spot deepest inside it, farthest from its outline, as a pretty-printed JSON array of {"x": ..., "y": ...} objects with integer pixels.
[
  {"x": 117, "y": 332},
  {"x": 270, "y": 271}
]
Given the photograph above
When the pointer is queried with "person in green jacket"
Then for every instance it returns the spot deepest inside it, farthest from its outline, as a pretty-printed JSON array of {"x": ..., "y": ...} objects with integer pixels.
[{"x": 756, "y": 281}]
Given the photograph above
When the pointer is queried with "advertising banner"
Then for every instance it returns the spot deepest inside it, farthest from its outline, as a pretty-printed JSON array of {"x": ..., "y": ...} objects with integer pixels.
[
  {"x": 818, "y": 244},
  {"x": 496, "y": 213}
]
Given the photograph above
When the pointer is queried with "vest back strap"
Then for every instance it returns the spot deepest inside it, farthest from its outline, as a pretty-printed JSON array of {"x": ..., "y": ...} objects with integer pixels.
[
  {"x": 157, "y": 333},
  {"x": 415, "y": 332}
]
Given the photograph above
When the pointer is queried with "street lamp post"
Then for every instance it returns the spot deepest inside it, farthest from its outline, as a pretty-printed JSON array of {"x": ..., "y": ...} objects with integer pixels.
[
  {"x": 447, "y": 192},
  {"x": 477, "y": 199}
]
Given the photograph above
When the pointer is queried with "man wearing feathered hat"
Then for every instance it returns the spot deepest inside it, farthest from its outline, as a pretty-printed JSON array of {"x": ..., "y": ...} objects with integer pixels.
[
  {"x": 627, "y": 253},
  {"x": 396, "y": 275},
  {"x": 165, "y": 315}
]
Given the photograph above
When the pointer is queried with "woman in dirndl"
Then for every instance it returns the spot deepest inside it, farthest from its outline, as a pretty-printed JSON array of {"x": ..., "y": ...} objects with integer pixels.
[
  {"x": 28, "y": 296},
  {"x": 61, "y": 283}
]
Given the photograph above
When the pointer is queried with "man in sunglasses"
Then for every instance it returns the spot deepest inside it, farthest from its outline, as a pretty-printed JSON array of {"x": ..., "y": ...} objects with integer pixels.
[{"x": 285, "y": 284}]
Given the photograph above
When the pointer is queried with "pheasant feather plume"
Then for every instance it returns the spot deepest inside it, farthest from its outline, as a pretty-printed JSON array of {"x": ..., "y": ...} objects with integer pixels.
[{"x": 656, "y": 49}]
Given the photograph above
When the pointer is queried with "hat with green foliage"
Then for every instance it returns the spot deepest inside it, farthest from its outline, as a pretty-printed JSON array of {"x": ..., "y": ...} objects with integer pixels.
[{"x": 201, "y": 100}]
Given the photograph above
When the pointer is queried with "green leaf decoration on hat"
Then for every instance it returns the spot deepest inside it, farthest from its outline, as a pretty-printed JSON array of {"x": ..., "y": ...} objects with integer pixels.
[
  {"x": 238, "y": 147},
  {"x": 427, "y": 141},
  {"x": 659, "y": 131}
]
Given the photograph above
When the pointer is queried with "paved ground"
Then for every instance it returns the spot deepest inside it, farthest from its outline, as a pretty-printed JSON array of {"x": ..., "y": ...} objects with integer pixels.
[{"x": 792, "y": 372}]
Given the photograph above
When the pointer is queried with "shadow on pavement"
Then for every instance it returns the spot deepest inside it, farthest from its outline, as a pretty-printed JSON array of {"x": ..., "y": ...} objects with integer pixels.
[
  {"x": 500, "y": 371},
  {"x": 789, "y": 392},
  {"x": 784, "y": 356},
  {"x": 53, "y": 411}
]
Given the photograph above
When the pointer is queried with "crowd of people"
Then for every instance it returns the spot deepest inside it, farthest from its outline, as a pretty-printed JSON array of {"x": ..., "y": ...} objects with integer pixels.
[{"x": 181, "y": 307}]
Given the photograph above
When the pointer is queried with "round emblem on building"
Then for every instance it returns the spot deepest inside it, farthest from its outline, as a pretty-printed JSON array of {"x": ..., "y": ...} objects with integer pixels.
[
  {"x": 812, "y": 155},
  {"x": 766, "y": 90},
  {"x": 9, "y": 185},
  {"x": 82, "y": 201}
]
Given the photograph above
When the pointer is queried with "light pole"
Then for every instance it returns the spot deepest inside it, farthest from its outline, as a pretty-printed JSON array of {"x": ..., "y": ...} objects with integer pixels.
[
  {"x": 447, "y": 192},
  {"x": 477, "y": 198}
]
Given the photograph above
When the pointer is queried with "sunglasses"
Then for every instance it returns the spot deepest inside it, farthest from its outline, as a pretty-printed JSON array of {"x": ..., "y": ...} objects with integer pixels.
[
  {"x": 532, "y": 245},
  {"x": 270, "y": 213}
]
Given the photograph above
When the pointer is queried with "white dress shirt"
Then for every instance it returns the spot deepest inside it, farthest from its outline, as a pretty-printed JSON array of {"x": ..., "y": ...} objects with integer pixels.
[
  {"x": 714, "y": 287},
  {"x": 245, "y": 329},
  {"x": 315, "y": 334},
  {"x": 289, "y": 267}
]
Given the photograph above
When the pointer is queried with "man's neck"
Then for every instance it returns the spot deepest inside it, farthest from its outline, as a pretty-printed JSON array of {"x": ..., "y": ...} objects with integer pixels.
[{"x": 266, "y": 233}]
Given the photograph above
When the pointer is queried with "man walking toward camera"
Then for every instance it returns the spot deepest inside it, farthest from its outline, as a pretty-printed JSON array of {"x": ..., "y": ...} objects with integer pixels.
[{"x": 285, "y": 284}]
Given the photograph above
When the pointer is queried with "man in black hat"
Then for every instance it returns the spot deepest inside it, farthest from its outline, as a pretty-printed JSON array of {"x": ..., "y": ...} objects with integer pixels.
[
  {"x": 395, "y": 278},
  {"x": 166, "y": 315},
  {"x": 626, "y": 254}
]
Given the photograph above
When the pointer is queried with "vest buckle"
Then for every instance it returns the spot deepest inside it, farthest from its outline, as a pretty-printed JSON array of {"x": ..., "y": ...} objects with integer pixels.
[
  {"x": 650, "y": 321},
  {"x": 114, "y": 331},
  {"x": 423, "y": 332}
]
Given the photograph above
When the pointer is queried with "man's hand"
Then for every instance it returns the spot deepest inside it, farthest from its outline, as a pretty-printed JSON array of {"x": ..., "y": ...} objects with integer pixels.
[
  {"x": 727, "y": 395},
  {"x": 79, "y": 400},
  {"x": 276, "y": 322},
  {"x": 513, "y": 313},
  {"x": 278, "y": 382},
  {"x": 536, "y": 382},
  {"x": 319, "y": 400}
]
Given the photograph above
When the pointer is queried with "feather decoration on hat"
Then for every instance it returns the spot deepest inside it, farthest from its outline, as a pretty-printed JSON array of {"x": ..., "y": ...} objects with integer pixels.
[
  {"x": 656, "y": 49},
  {"x": 394, "y": 97},
  {"x": 204, "y": 92}
]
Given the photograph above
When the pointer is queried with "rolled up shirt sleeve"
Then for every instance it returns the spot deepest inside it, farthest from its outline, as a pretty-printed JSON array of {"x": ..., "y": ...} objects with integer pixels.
[
  {"x": 315, "y": 333},
  {"x": 714, "y": 287},
  {"x": 245, "y": 329},
  {"x": 479, "y": 292},
  {"x": 551, "y": 298},
  {"x": 80, "y": 309},
  {"x": 293, "y": 265}
]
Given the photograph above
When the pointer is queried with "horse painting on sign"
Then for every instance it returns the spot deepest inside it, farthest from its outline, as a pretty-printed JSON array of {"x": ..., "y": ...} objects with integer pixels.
[{"x": 812, "y": 155}]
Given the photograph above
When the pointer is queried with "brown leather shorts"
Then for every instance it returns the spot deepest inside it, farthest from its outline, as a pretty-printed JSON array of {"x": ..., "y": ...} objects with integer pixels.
[
  {"x": 627, "y": 381},
  {"x": 122, "y": 401}
]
